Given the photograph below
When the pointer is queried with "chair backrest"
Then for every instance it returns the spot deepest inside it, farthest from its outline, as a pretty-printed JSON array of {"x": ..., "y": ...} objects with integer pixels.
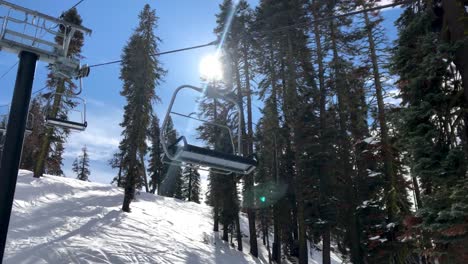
[{"x": 79, "y": 105}]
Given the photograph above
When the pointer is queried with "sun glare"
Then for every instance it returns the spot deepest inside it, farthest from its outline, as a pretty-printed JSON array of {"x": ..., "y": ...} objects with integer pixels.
[{"x": 211, "y": 68}]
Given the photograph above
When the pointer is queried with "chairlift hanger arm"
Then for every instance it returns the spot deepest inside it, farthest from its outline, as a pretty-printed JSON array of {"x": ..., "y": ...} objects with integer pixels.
[{"x": 208, "y": 122}]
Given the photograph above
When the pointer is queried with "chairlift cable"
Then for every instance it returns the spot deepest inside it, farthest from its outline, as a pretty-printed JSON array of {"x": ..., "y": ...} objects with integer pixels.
[
  {"x": 160, "y": 53},
  {"x": 42, "y": 89},
  {"x": 75, "y": 5},
  {"x": 7, "y": 71}
]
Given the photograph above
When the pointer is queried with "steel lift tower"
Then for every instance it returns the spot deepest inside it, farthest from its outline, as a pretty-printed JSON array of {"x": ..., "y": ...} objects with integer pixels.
[{"x": 33, "y": 36}]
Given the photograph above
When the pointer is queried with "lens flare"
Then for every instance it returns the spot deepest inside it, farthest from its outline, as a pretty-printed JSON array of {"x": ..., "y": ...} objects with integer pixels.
[{"x": 211, "y": 68}]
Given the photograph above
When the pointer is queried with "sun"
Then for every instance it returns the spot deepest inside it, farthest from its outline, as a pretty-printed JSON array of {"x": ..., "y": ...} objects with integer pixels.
[{"x": 211, "y": 68}]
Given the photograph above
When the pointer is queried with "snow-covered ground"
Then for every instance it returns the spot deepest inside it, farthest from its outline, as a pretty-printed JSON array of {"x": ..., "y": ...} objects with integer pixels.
[{"x": 63, "y": 220}]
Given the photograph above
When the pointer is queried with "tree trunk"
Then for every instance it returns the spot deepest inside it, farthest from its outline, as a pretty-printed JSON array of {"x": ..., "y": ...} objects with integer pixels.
[
  {"x": 295, "y": 118},
  {"x": 239, "y": 234},
  {"x": 129, "y": 192},
  {"x": 386, "y": 148},
  {"x": 46, "y": 141},
  {"x": 130, "y": 179},
  {"x": 215, "y": 189},
  {"x": 268, "y": 242},
  {"x": 249, "y": 101},
  {"x": 226, "y": 233},
  {"x": 247, "y": 178},
  {"x": 145, "y": 179},
  {"x": 276, "y": 236},
  {"x": 323, "y": 168},
  {"x": 190, "y": 185},
  {"x": 216, "y": 217},
  {"x": 344, "y": 150},
  {"x": 276, "y": 206},
  {"x": 43, "y": 153}
]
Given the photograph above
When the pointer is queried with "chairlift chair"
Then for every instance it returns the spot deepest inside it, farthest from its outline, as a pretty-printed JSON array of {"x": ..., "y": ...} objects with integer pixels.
[
  {"x": 29, "y": 123},
  {"x": 183, "y": 153},
  {"x": 4, "y": 123},
  {"x": 56, "y": 121}
]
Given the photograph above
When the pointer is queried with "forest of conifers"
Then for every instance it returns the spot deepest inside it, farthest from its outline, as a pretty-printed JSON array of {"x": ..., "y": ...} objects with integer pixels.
[{"x": 340, "y": 168}]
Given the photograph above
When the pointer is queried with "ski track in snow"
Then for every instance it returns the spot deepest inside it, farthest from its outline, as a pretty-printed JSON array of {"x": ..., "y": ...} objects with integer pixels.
[{"x": 63, "y": 220}]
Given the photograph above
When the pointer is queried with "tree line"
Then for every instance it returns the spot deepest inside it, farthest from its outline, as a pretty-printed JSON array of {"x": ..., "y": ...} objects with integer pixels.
[{"x": 338, "y": 164}]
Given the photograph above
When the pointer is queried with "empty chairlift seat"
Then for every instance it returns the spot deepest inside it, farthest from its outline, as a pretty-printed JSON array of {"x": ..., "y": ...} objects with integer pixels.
[
  {"x": 51, "y": 121},
  {"x": 222, "y": 161},
  {"x": 79, "y": 106}
]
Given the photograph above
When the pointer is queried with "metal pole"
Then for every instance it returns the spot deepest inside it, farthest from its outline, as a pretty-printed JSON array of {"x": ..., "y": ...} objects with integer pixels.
[{"x": 14, "y": 140}]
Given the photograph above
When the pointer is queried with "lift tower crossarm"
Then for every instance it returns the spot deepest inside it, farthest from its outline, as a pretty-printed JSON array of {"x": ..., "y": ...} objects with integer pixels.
[{"x": 47, "y": 17}]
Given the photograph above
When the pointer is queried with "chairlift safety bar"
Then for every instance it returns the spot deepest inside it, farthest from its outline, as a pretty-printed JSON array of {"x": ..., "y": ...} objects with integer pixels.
[{"x": 200, "y": 90}]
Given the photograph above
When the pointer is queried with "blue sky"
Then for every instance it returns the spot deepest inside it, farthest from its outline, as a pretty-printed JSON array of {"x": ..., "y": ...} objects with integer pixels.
[{"x": 182, "y": 23}]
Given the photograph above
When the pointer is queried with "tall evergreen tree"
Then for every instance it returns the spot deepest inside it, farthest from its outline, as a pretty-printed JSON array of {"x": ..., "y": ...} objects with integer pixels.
[
  {"x": 141, "y": 74},
  {"x": 81, "y": 165}
]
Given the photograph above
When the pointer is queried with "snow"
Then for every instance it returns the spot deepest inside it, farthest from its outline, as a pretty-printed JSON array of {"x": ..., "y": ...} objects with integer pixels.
[
  {"x": 373, "y": 173},
  {"x": 371, "y": 140},
  {"x": 63, "y": 220}
]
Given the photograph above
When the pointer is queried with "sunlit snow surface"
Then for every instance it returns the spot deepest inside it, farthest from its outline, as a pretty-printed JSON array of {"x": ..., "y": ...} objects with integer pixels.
[{"x": 63, "y": 220}]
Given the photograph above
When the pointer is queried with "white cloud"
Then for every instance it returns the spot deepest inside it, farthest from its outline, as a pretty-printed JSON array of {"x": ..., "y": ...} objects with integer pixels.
[{"x": 101, "y": 137}]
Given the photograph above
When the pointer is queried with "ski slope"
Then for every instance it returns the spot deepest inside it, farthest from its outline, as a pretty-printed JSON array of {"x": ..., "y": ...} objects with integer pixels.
[{"x": 63, "y": 220}]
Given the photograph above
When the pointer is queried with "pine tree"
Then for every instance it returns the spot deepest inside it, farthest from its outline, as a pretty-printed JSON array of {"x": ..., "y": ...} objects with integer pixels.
[
  {"x": 155, "y": 167},
  {"x": 81, "y": 165},
  {"x": 57, "y": 107},
  {"x": 191, "y": 188},
  {"x": 141, "y": 74},
  {"x": 178, "y": 187},
  {"x": 116, "y": 162}
]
